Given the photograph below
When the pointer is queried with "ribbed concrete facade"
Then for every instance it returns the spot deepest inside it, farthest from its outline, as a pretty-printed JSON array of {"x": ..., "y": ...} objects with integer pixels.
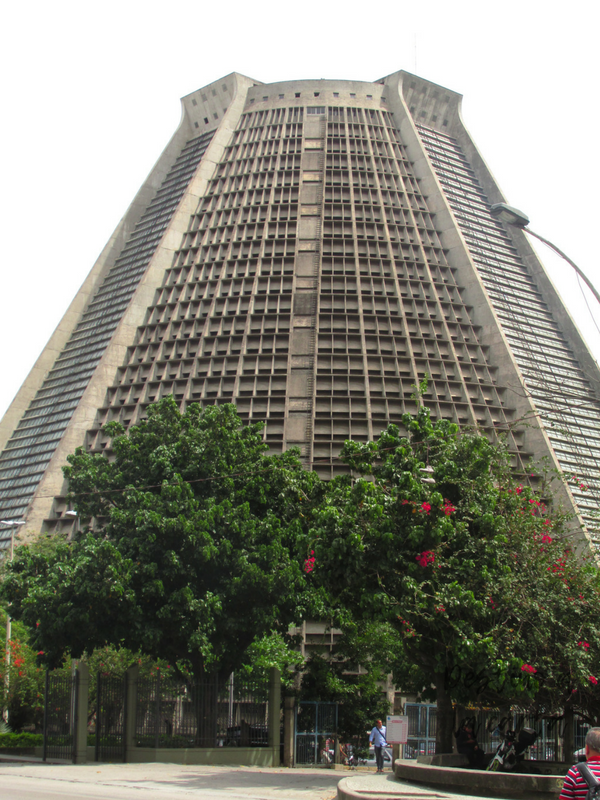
[{"x": 310, "y": 251}]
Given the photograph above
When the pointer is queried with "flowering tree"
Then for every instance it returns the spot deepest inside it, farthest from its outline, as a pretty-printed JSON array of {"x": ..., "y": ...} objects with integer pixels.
[
  {"x": 433, "y": 541},
  {"x": 23, "y": 693},
  {"x": 549, "y": 599}
]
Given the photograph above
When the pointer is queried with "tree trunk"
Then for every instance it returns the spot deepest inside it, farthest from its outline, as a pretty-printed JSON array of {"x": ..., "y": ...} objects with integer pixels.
[
  {"x": 444, "y": 738},
  {"x": 568, "y": 736}
]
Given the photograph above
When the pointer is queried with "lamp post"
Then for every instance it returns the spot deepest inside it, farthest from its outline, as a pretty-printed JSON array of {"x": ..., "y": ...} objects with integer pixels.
[
  {"x": 512, "y": 216},
  {"x": 12, "y": 523}
]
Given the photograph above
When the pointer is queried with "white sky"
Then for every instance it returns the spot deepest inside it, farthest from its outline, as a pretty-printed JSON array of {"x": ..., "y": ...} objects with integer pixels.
[{"x": 90, "y": 97}]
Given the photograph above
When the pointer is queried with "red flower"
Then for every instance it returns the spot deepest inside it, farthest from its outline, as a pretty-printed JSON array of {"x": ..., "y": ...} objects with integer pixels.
[
  {"x": 528, "y": 668},
  {"x": 546, "y": 539},
  {"x": 585, "y": 645},
  {"x": 448, "y": 508},
  {"x": 425, "y": 507},
  {"x": 593, "y": 680},
  {"x": 425, "y": 558},
  {"x": 309, "y": 564},
  {"x": 439, "y": 609},
  {"x": 519, "y": 489}
]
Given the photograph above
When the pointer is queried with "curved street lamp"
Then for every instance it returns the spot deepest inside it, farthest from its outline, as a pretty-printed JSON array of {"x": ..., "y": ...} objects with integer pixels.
[{"x": 512, "y": 216}]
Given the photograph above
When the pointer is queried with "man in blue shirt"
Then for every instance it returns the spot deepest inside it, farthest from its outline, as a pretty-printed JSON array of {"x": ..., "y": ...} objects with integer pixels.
[{"x": 377, "y": 739}]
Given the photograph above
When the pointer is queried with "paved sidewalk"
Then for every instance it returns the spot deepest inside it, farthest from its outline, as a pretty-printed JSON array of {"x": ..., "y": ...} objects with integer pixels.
[{"x": 29, "y": 781}]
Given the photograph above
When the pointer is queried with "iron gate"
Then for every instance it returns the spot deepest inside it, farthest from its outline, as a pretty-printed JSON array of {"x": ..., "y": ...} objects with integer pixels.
[
  {"x": 111, "y": 709},
  {"x": 315, "y": 733},
  {"x": 60, "y": 714},
  {"x": 422, "y": 726}
]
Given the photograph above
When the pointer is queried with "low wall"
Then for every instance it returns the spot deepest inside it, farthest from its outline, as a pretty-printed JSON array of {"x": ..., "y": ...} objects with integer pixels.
[
  {"x": 208, "y": 756},
  {"x": 215, "y": 756},
  {"x": 19, "y": 751},
  {"x": 480, "y": 782}
]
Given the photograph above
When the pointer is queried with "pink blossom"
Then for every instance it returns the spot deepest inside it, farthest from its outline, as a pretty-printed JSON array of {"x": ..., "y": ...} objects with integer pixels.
[
  {"x": 425, "y": 558},
  {"x": 309, "y": 564},
  {"x": 528, "y": 668},
  {"x": 546, "y": 539},
  {"x": 448, "y": 508}
]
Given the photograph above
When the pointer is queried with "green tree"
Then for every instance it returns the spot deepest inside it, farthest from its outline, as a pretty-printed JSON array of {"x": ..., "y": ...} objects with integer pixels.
[
  {"x": 548, "y": 597},
  {"x": 23, "y": 694},
  {"x": 353, "y": 676},
  {"x": 191, "y": 557},
  {"x": 272, "y": 650},
  {"x": 424, "y": 540}
]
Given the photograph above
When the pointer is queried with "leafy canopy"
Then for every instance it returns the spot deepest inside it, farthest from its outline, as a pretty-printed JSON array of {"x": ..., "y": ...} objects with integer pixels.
[
  {"x": 469, "y": 570},
  {"x": 191, "y": 557}
]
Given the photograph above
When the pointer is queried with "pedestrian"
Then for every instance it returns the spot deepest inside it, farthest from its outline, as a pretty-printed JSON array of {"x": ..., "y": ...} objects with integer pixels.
[
  {"x": 467, "y": 745},
  {"x": 377, "y": 739},
  {"x": 575, "y": 786}
]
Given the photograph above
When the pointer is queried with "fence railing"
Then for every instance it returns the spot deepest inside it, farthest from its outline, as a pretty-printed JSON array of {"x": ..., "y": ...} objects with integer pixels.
[
  {"x": 209, "y": 714},
  {"x": 111, "y": 709},
  {"x": 60, "y": 712},
  {"x": 316, "y": 732},
  {"x": 422, "y": 727},
  {"x": 489, "y": 726}
]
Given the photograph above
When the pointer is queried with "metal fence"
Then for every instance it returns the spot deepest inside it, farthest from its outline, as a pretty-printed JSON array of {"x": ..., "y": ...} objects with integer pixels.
[
  {"x": 316, "y": 732},
  {"x": 60, "y": 714},
  {"x": 489, "y": 725},
  {"x": 422, "y": 729},
  {"x": 209, "y": 714},
  {"x": 111, "y": 709}
]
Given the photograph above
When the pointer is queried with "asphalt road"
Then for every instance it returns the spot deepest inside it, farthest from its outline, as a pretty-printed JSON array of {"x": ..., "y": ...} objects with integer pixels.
[{"x": 169, "y": 781}]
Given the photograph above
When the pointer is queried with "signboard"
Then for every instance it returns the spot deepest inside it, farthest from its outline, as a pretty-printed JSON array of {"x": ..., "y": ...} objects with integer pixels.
[{"x": 396, "y": 730}]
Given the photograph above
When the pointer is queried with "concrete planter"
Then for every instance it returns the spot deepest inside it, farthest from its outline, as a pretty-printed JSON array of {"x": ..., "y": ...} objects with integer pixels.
[{"x": 479, "y": 782}]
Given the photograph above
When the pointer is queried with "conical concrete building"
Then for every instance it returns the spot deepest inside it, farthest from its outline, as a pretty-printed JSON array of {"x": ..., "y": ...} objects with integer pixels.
[{"x": 311, "y": 250}]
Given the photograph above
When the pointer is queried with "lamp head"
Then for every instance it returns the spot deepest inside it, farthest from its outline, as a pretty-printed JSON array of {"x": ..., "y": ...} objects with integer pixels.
[{"x": 510, "y": 215}]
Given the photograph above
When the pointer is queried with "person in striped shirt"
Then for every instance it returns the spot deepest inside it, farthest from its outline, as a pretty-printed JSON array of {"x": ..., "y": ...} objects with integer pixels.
[{"x": 575, "y": 787}]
